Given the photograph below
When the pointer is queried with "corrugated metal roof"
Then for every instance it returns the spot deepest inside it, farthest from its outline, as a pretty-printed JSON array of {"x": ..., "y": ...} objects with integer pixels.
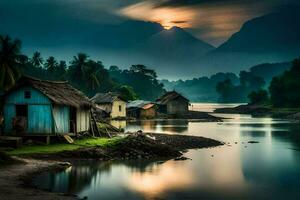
[
  {"x": 138, "y": 104},
  {"x": 105, "y": 98}
]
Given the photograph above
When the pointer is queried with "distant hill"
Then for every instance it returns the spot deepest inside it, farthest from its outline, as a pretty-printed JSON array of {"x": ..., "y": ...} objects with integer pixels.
[
  {"x": 272, "y": 33},
  {"x": 271, "y": 38},
  {"x": 269, "y": 70}
]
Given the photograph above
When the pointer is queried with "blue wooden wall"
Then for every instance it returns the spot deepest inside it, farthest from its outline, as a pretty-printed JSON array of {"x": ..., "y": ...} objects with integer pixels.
[{"x": 40, "y": 118}]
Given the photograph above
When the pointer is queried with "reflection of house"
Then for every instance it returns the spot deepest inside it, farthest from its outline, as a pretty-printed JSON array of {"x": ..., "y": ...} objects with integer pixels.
[
  {"x": 111, "y": 103},
  {"x": 141, "y": 109},
  {"x": 37, "y": 107},
  {"x": 173, "y": 103}
]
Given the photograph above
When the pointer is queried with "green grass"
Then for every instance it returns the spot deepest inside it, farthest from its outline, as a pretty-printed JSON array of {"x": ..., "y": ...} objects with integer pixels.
[{"x": 54, "y": 148}]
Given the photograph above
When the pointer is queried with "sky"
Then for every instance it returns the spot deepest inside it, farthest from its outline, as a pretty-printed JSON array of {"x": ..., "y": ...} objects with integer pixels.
[{"x": 213, "y": 21}]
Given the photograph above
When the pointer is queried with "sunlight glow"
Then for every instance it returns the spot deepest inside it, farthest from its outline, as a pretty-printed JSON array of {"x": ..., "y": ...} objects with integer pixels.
[{"x": 167, "y": 17}]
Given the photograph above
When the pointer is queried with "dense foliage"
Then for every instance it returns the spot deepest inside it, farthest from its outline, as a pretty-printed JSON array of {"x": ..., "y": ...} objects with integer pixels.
[
  {"x": 258, "y": 97},
  {"x": 10, "y": 61},
  {"x": 284, "y": 89},
  {"x": 248, "y": 82},
  {"x": 143, "y": 80},
  {"x": 82, "y": 72},
  {"x": 202, "y": 89}
]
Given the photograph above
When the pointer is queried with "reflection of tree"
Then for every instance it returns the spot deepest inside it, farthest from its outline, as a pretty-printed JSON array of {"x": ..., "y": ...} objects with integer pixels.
[
  {"x": 78, "y": 177},
  {"x": 254, "y": 134},
  {"x": 172, "y": 126},
  {"x": 140, "y": 165},
  {"x": 278, "y": 158}
]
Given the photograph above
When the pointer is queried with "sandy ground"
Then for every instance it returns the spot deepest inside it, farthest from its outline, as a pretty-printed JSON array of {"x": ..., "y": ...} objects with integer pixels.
[{"x": 12, "y": 186}]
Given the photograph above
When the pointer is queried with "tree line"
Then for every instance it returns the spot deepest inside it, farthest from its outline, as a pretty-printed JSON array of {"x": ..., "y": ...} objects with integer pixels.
[
  {"x": 283, "y": 90},
  {"x": 82, "y": 72}
]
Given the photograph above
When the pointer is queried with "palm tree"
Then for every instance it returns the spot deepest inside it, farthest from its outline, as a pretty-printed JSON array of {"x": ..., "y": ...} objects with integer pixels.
[
  {"x": 51, "y": 64},
  {"x": 79, "y": 66},
  {"x": 37, "y": 60},
  {"x": 9, "y": 62},
  {"x": 92, "y": 74}
]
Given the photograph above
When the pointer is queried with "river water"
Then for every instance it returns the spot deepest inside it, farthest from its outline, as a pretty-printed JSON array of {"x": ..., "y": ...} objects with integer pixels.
[{"x": 269, "y": 169}]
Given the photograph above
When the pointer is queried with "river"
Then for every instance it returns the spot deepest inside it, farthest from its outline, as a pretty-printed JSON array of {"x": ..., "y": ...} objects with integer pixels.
[{"x": 269, "y": 169}]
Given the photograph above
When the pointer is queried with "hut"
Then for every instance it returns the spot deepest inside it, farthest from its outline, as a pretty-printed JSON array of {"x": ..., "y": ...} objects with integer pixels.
[
  {"x": 173, "y": 103},
  {"x": 41, "y": 108},
  {"x": 141, "y": 109},
  {"x": 111, "y": 103}
]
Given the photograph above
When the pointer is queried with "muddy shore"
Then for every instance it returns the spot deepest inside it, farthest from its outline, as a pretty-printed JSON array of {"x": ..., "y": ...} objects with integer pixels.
[
  {"x": 16, "y": 179},
  {"x": 135, "y": 146}
]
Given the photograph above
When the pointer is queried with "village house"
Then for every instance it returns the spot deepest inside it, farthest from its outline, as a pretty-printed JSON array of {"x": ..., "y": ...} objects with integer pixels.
[
  {"x": 173, "y": 103},
  {"x": 45, "y": 108},
  {"x": 141, "y": 109},
  {"x": 113, "y": 104}
]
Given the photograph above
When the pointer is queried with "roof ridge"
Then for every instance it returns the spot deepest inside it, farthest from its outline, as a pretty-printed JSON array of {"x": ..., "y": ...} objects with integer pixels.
[{"x": 41, "y": 80}]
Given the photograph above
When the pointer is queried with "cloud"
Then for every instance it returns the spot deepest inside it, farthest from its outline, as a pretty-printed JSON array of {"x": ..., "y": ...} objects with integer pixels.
[{"x": 211, "y": 20}]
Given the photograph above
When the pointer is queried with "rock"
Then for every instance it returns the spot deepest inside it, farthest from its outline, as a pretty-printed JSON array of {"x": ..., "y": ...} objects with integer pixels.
[
  {"x": 181, "y": 158},
  {"x": 253, "y": 142}
]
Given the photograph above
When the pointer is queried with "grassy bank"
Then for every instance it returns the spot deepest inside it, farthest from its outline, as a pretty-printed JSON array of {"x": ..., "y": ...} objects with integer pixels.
[{"x": 55, "y": 148}]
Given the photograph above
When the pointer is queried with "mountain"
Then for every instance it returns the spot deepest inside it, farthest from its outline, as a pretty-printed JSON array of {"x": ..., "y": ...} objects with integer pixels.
[
  {"x": 271, "y": 38},
  {"x": 174, "y": 43},
  {"x": 273, "y": 33},
  {"x": 170, "y": 52}
]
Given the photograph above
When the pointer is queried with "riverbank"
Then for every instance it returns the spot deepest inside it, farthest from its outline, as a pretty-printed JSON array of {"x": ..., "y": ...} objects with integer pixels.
[
  {"x": 262, "y": 110},
  {"x": 37, "y": 159},
  {"x": 15, "y": 179},
  {"x": 132, "y": 146}
]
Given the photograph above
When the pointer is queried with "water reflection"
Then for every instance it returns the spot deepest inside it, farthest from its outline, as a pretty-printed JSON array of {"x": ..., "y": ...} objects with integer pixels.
[
  {"x": 166, "y": 126},
  {"x": 269, "y": 169},
  {"x": 120, "y": 124}
]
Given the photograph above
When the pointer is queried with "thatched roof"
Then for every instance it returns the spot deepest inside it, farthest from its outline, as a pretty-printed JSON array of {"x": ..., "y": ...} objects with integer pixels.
[
  {"x": 170, "y": 96},
  {"x": 59, "y": 92},
  {"x": 109, "y": 97}
]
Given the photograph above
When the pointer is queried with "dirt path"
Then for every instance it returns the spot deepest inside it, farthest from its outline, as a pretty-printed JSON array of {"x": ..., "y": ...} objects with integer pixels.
[{"x": 11, "y": 183}]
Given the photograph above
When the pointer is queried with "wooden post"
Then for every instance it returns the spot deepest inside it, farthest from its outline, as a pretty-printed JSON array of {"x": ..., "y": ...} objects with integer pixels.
[
  {"x": 48, "y": 140},
  {"x": 98, "y": 132},
  {"x": 91, "y": 125}
]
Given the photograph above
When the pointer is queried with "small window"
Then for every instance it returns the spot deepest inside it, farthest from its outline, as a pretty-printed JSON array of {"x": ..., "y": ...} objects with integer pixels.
[
  {"x": 27, "y": 94},
  {"x": 120, "y": 108},
  {"x": 22, "y": 111}
]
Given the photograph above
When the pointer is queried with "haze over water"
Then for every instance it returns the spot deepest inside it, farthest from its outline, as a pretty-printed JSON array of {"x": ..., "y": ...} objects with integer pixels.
[{"x": 269, "y": 169}]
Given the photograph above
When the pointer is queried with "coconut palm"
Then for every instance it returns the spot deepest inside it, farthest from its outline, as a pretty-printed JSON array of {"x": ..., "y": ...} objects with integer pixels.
[
  {"x": 9, "y": 62},
  {"x": 51, "y": 64},
  {"x": 79, "y": 66},
  {"x": 92, "y": 75},
  {"x": 37, "y": 60}
]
